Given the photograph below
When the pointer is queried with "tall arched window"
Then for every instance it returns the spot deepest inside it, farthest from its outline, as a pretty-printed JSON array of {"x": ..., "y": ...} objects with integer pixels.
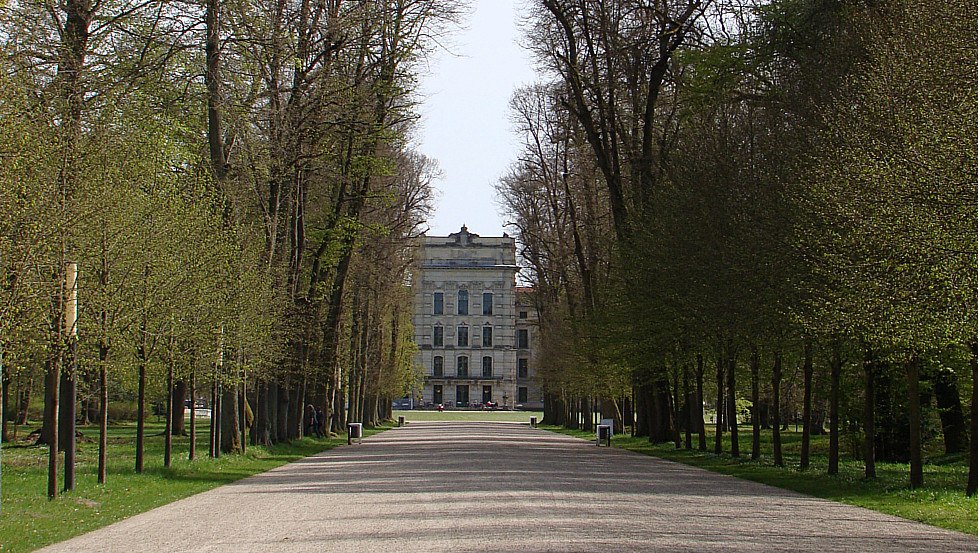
[
  {"x": 437, "y": 366},
  {"x": 487, "y": 367},
  {"x": 462, "y": 366}
]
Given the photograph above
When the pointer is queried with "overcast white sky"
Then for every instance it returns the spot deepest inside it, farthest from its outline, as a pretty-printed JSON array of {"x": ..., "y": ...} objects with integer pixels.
[{"x": 465, "y": 116}]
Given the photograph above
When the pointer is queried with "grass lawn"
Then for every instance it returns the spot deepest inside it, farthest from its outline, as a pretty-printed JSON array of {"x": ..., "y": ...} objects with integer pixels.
[
  {"x": 941, "y": 502},
  {"x": 452, "y": 415},
  {"x": 28, "y": 520}
]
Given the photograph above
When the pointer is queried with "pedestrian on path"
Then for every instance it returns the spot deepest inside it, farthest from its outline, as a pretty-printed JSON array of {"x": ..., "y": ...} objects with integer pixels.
[
  {"x": 321, "y": 421},
  {"x": 310, "y": 422}
]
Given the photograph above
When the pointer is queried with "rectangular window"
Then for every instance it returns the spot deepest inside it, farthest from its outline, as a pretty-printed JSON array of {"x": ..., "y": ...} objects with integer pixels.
[
  {"x": 437, "y": 303},
  {"x": 462, "y": 336},
  {"x": 488, "y": 367},
  {"x": 488, "y": 303},
  {"x": 437, "y": 366},
  {"x": 488, "y": 336},
  {"x": 522, "y": 338},
  {"x": 463, "y": 303},
  {"x": 522, "y": 394},
  {"x": 437, "y": 336},
  {"x": 462, "y": 367},
  {"x": 522, "y": 315},
  {"x": 522, "y": 367}
]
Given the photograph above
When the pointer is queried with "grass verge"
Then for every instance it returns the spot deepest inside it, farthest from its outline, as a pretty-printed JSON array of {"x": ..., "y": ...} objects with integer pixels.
[
  {"x": 28, "y": 520},
  {"x": 941, "y": 502}
]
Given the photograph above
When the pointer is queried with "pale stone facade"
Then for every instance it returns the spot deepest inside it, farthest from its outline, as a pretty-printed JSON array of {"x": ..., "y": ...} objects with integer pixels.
[{"x": 469, "y": 326}]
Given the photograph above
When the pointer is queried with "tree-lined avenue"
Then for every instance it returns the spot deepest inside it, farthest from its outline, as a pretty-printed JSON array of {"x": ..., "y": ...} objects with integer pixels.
[{"x": 433, "y": 486}]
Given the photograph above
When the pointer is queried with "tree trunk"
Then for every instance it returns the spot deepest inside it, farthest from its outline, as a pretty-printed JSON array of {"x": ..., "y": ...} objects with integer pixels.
[
  {"x": 141, "y": 397},
  {"x": 294, "y": 411},
  {"x": 192, "y": 390},
  {"x": 807, "y": 403},
  {"x": 168, "y": 430},
  {"x": 4, "y": 394},
  {"x": 66, "y": 417},
  {"x": 69, "y": 377},
  {"x": 5, "y": 381},
  {"x": 230, "y": 434},
  {"x": 219, "y": 407},
  {"x": 261, "y": 424},
  {"x": 950, "y": 410},
  {"x": 214, "y": 424},
  {"x": 677, "y": 406},
  {"x": 272, "y": 400},
  {"x": 665, "y": 418},
  {"x": 282, "y": 413},
  {"x": 720, "y": 398},
  {"x": 869, "y": 413},
  {"x": 642, "y": 400},
  {"x": 756, "y": 427},
  {"x": 689, "y": 402},
  {"x": 699, "y": 376},
  {"x": 178, "y": 407},
  {"x": 971, "y": 482},
  {"x": 915, "y": 422},
  {"x": 777, "y": 382},
  {"x": 732, "y": 407},
  {"x": 661, "y": 430},
  {"x": 212, "y": 79},
  {"x": 52, "y": 382},
  {"x": 243, "y": 412},
  {"x": 25, "y": 388},
  {"x": 340, "y": 411},
  {"x": 833, "y": 462}
]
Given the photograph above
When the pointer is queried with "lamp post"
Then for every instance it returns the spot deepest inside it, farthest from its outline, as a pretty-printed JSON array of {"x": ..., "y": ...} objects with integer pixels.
[{"x": 505, "y": 401}]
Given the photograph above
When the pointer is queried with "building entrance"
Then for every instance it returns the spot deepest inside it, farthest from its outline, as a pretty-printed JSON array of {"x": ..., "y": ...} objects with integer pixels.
[
  {"x": 487, "y": 394},
  {"x": 462, "y": 396},
  {"x": 437, "y": 394}
]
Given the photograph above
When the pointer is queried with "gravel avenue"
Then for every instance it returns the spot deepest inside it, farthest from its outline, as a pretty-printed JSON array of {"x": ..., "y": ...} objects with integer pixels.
[{"x": 496, "y": 486}]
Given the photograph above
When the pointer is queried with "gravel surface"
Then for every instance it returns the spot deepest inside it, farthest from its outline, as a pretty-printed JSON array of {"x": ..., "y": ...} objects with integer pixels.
[{"x": 464, "y": 486}]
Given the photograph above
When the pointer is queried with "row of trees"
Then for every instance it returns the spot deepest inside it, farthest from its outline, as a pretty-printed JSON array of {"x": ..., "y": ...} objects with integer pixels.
[
  {"x": 234, "y": 184},
  {"x": 755, "y": 189}
]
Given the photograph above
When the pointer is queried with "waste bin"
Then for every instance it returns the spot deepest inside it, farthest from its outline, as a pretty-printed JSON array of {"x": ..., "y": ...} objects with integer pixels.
[
  {"x": 354, "y": 432},
  {"x": 603, "y": 434},
  {"x": 534, "y": 422},
  {"x": 401, "y": 420}
]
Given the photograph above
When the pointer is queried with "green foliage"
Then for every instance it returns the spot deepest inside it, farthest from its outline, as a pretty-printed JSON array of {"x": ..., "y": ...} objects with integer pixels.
[{"x": 895, "y": 186}]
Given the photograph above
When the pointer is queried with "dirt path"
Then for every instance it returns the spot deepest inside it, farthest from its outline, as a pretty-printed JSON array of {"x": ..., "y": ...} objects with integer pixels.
[{"x": 503, "y": 487}]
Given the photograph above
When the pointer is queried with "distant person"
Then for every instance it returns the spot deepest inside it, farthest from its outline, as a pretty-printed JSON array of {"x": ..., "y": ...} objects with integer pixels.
[
  {"x": 321, "y": 421},
  {"x": 310, "y": 421}
]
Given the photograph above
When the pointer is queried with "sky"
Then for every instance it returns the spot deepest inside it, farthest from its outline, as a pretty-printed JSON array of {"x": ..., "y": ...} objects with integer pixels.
[{"x": 466, "y": 123}]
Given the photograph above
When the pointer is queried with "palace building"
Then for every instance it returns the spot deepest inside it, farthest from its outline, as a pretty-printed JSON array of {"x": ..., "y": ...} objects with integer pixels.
[{"x": 475, "y": 328}]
